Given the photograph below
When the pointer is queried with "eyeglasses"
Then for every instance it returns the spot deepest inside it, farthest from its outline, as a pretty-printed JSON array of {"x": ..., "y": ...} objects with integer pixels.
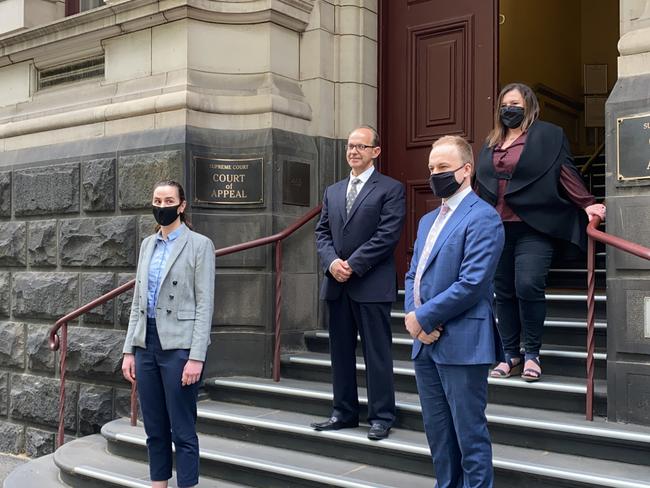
[{"x": 358, "y": 147}]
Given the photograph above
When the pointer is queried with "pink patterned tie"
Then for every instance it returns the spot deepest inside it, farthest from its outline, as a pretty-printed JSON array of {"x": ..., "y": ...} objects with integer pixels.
[{"x": 426, "y": 252}]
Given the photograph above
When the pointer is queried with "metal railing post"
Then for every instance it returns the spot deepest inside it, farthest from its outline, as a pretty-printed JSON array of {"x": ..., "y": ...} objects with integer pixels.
[
  {"x": 278, "y": 311},
  {"x": 591, "y": 306},
  {"x": 134, "y": 403},
  {"x": 63, "y": 347},
  {"x": 594, "y": 236}
]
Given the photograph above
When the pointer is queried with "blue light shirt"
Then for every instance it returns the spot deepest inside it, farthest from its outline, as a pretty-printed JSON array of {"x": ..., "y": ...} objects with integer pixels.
[{"x": 157, "y": 265}]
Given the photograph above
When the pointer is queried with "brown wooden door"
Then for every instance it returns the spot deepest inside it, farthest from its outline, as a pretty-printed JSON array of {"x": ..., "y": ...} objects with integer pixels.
[{"x": 438, "y": 68}]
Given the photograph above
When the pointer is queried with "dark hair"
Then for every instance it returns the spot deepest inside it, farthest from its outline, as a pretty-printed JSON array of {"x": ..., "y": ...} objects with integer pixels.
[
  {"x": 375, "y": 134},
  {"x": 181, "y": 196},
  {"x": 531, "y": 112}
]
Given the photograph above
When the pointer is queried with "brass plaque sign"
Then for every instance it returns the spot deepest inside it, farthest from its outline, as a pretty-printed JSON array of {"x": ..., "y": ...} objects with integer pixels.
[
  {"x": 295, "y": 183},
  {"x": 633, "y": 147},
  {"x": 228, "y": 181}
]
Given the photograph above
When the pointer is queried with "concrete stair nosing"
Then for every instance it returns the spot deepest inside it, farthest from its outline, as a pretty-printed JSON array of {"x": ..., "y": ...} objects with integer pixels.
[
  {"x": 556, "y": 360},
  {"x": 560, "y": 469},
  {"x": 568, "y": 394},
  {"x": 87, "y": 463},
  {"x": 276, "y": 466},
  {"x": 531, "y": 429}
]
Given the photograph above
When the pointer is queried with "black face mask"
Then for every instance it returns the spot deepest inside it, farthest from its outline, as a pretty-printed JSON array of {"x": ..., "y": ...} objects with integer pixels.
[
  {"x": 444, "y": 185},
  {"x": 165, "y": 215},
  {"x": 512, "y": 116}
]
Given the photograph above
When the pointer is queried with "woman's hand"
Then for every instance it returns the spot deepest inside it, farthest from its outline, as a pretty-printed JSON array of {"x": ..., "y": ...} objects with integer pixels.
[
  {"x": 128, "y": 367},
  {"x": 191, "y": 372},
  {"x": 597, "y": 209}
]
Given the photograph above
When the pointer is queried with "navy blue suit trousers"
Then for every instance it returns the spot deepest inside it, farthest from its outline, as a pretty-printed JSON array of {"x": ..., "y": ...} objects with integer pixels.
[{"x": 168, "y": 410}]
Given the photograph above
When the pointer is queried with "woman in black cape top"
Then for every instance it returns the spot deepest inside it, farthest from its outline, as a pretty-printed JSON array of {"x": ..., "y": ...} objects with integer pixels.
[{"x": 525, "y": 169}]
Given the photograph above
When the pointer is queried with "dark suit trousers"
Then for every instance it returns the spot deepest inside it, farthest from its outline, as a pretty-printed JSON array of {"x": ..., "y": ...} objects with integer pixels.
[
  {"x": 453, "y": 399},
  {"x": 168, "y": 410},
  {"x": 372, "y": 321}
]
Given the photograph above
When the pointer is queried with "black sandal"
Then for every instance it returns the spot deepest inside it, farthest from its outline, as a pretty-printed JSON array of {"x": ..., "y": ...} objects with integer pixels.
[
  {"x": 500, "y": 372},
  {"x": 531, "y": 374}
]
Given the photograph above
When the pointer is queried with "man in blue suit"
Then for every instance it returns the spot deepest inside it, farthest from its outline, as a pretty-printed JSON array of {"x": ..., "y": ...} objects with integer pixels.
[
  {"x": 356, "y": 235},
  {"x": 449, "y": 297}
]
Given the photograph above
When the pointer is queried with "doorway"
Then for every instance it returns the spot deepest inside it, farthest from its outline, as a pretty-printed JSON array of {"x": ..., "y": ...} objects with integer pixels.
[
  {"x": 437, "y": 77},
  {"x": 566, "y": 51},
  {"x": 442, "y": 65}
]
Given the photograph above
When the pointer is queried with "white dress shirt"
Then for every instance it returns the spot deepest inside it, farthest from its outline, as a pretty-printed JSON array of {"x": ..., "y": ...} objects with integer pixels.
[
  {"x": 436, "y": 229},
  {"x": 364, "y": 177},
  {"x": 453, "y": 202}
]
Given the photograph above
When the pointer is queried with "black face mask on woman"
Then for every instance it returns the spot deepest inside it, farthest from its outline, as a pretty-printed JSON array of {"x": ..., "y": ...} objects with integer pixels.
[
  {"x": 512, "y": 116},
  {"x": 165, "y": 215},
  {"x": 444, "y": 184}
]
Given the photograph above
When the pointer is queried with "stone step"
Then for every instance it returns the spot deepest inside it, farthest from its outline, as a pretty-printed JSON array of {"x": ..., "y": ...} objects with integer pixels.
[
  {"x": 574, "y": 276},
  {"x": 553, "y": 392},
  {"x": 560, "y": 304},
  {"x": 530, "y": 428},
  {"x": 540, "y": 469},
  {"x": 40, "y": 472},
  {"x": 267, "y": 466},
  {"x": 309, "y": 397},
  {"x": 573, "y": 333},
  {"x": 565, "y": 331},
  {"x": 570, "y": 332},
  {"x": 556, "y": 359},
  {"x": 407, "y": 450},
  {"x": 561, "y": 295},
  {"x": 574, "y": 279},
  {"x": 86, "y": 463}
]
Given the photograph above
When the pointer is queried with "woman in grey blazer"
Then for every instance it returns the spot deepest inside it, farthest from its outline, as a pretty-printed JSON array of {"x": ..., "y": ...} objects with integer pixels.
[{"x": 168, "y": 335}]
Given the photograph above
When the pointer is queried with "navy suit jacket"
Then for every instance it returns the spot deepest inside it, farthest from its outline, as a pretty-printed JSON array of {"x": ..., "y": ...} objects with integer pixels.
[
  {"x": 366, "y": 238},
  {"x": 456, "y": 288}
]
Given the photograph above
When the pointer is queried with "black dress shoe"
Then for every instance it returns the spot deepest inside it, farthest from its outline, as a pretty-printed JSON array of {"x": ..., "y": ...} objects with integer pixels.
[
  {"x": 333, "y": 424},
  {"x": 378, "y": 432}
]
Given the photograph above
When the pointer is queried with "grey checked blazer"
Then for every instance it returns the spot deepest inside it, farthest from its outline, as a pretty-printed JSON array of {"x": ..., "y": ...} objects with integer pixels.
[{"x": 186, "y": 298}]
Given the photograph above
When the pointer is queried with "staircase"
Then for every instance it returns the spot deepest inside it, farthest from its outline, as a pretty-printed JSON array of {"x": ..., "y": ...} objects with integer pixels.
[{"x": 254, "y": 432}]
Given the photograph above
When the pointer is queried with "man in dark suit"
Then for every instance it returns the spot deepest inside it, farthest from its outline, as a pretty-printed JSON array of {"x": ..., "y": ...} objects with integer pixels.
[
  {"x": 449, "y": 296},
  {"x": 360, "y": 225}
]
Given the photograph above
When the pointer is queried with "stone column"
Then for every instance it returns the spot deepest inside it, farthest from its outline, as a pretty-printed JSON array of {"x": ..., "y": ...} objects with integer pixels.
[{"x": 628, "y": 201}]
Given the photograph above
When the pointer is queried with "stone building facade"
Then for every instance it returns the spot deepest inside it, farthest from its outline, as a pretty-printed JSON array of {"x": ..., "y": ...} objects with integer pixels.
[
  {"x": 96, "y": 107},
  {"x": 280, "y": 80},
  {"x": 65, "y": 242}
]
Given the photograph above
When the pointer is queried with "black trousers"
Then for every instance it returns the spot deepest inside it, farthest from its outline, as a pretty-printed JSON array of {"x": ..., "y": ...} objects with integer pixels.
[
  {"x": 372, "y": 322},
  {"x": 520, "y": 286}
]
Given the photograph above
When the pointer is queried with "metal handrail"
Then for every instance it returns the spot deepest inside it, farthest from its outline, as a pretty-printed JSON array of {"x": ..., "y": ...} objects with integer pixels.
[
  {"x": 594, "y": 235},
  {"x": 61, "y": 344},
  {"x": 585, "y": 167}
]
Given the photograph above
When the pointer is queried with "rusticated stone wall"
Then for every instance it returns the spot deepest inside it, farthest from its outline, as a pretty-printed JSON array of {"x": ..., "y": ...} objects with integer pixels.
[{"x": 69, "y": 232}]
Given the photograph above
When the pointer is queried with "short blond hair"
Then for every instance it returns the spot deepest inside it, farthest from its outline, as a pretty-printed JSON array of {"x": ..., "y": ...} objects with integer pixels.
[{"x": 462, "y": 146}]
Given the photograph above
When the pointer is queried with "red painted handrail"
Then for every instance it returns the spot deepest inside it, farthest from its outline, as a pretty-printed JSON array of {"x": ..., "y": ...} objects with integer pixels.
[
  {"x": 62, "y": 324},
  {"x": 636, "y": 249}
]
